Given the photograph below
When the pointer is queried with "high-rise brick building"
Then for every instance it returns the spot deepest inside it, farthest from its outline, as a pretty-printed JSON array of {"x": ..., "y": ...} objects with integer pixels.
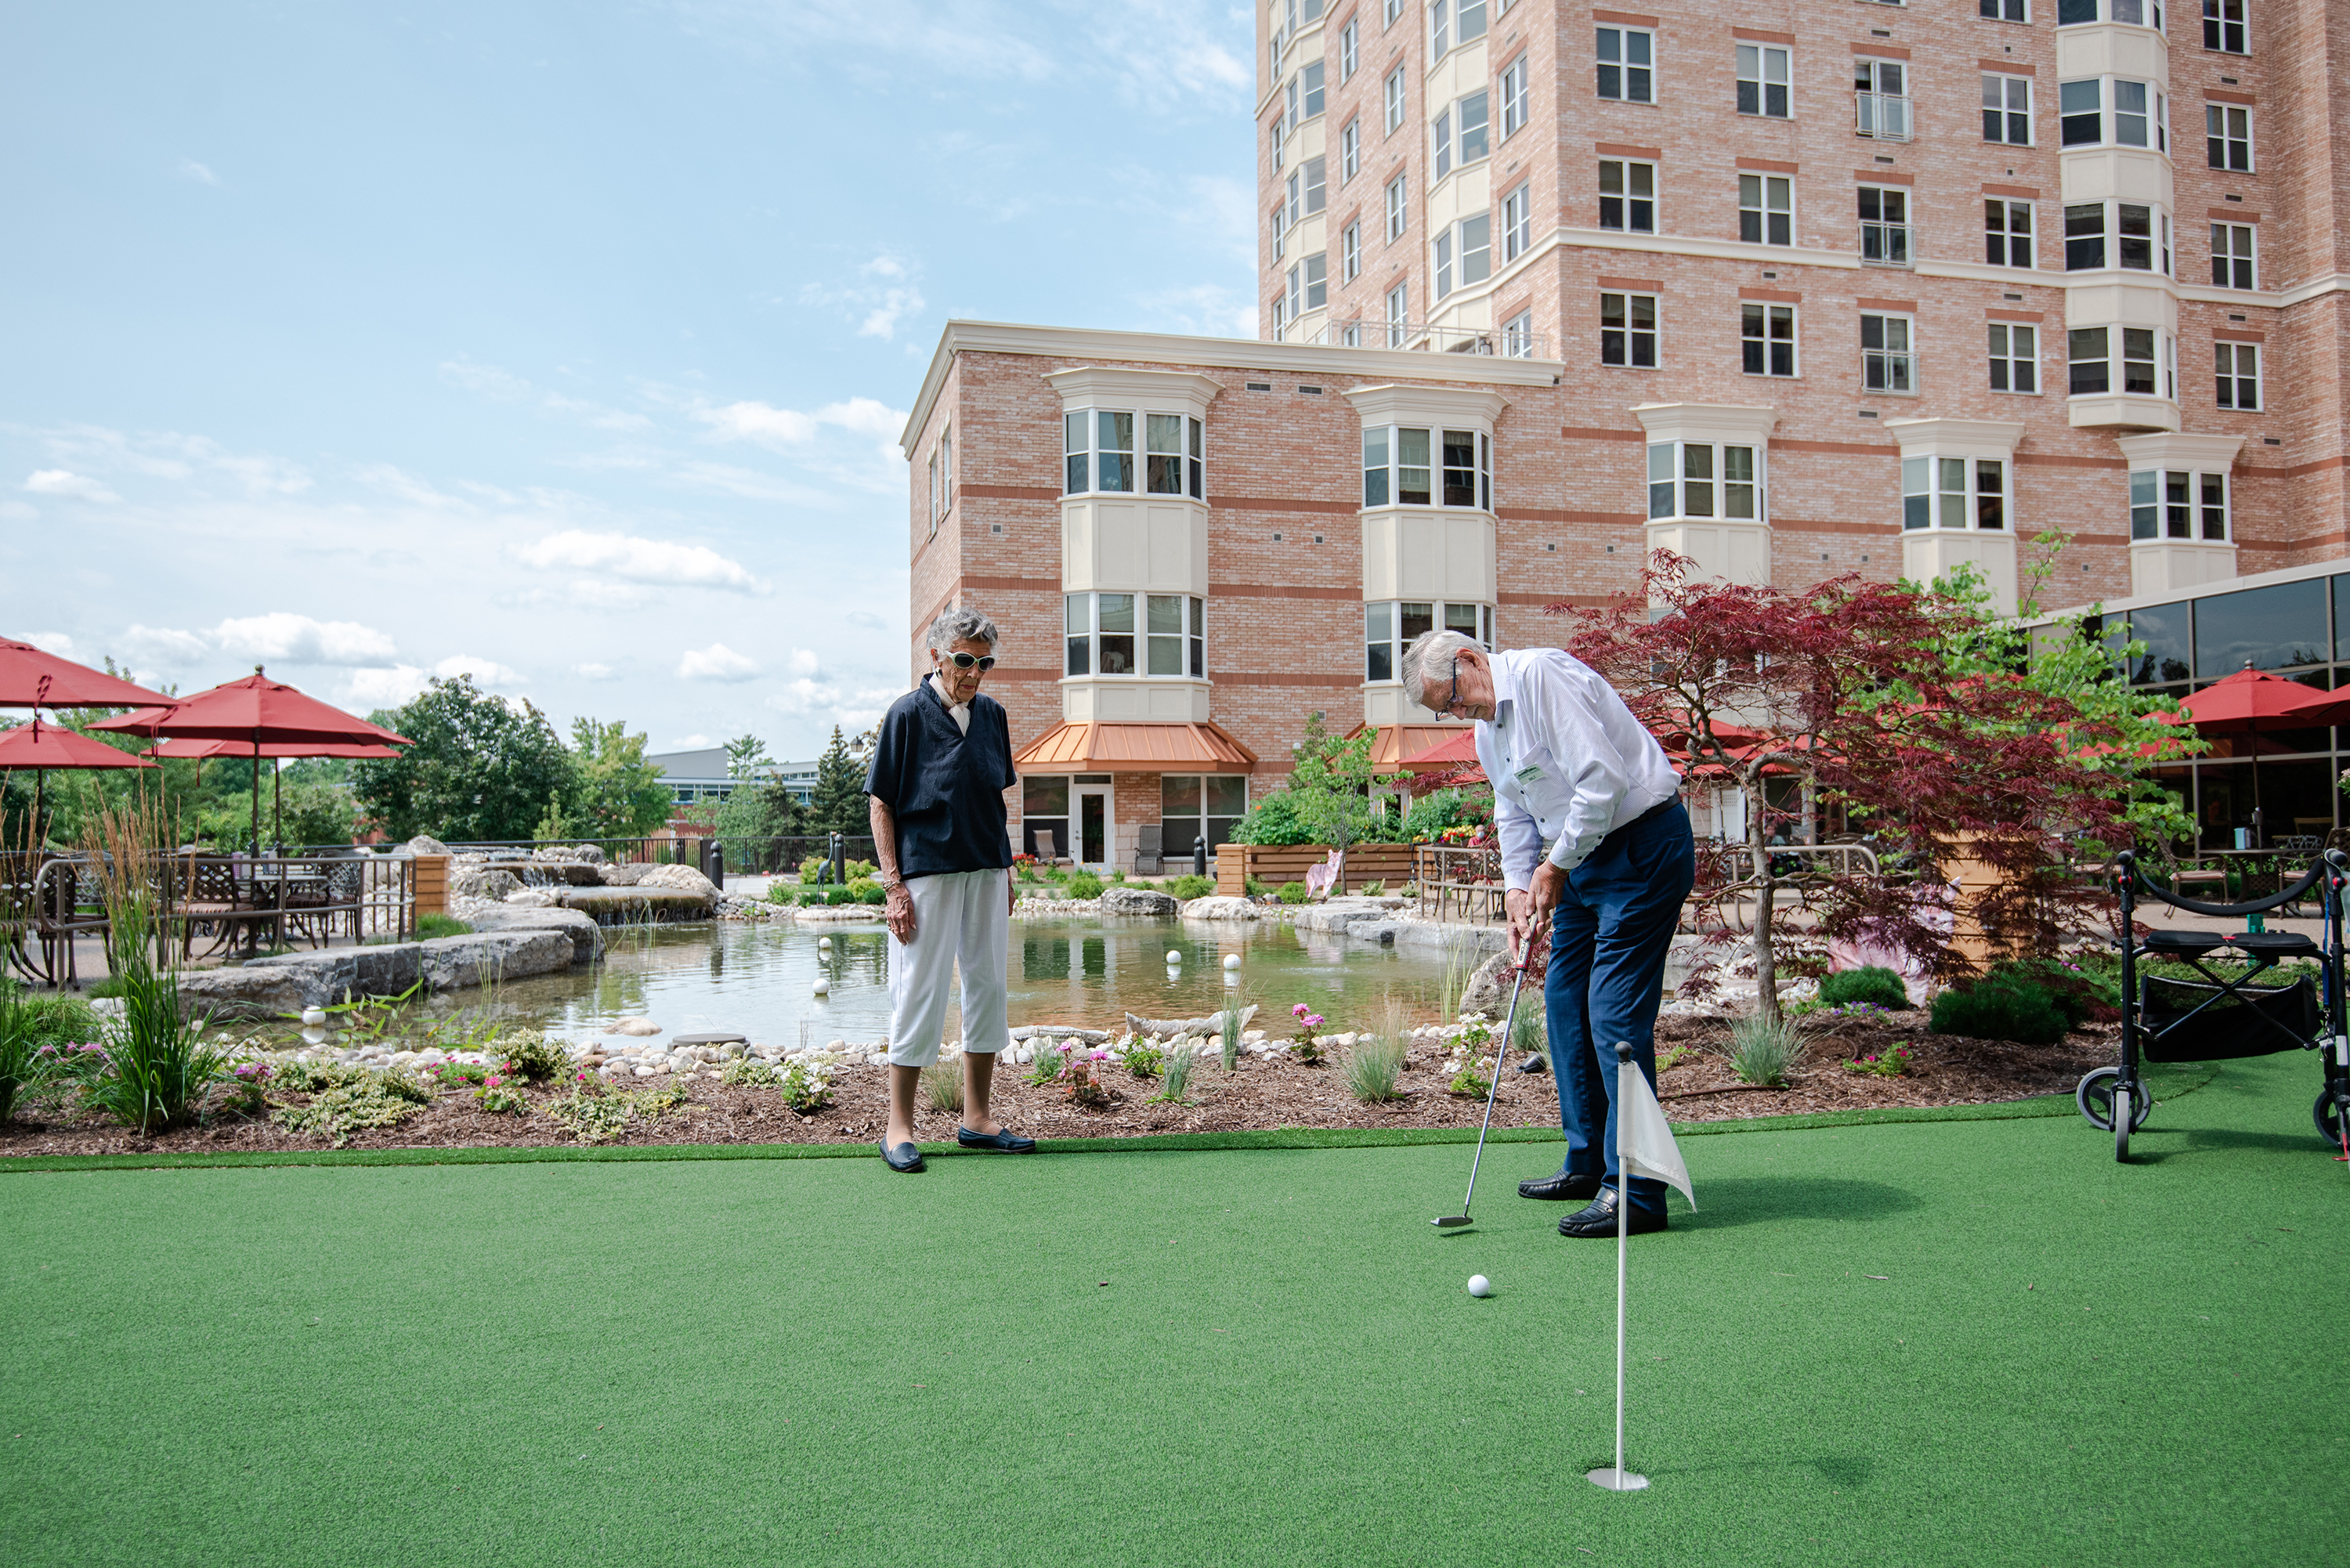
[{"x": 1795, "y": 290}]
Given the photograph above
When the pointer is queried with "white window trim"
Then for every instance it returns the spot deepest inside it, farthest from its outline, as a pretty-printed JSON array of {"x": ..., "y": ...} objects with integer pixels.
[
  {"x": 2031, "y": 107},
  {"x": 1195, "y": 620},
  {"x": 2252, "y": 230},
  {"x": 1089, "y": 389},
  {"x": 2007, "y": 236},
  {"x": 2258, "y": 377},
  {"x": 1763, "y": 228},
  {"x": 2251, "y": 142},
  {"x": 1894, "y": 114},
  {"x": 1517, "y": 101},
  {"x": 2109, "y": 115},
  {"x": 1395, "y": 643},
  {"x": 1599, "y": 63},
  {"x": 1398, "y": 208},
  {"x": 2164, "y": 361},
  {"x": 1908, "y": 319},
  {"x": 1350, "y": 149},
  {"x": 1716, "y": 424},
  {"x": 2011, "y": 358},
  {"x": 1907, "y": 229},
  {"x": 1655, "y": 199},
  {"x": 1350, "y": 251},
  {"x": 1795, "y": 339},
  {"x": 1436, "y": 409},
  {"x": 1517, "y": 222},
  {"x": 1395, "y": 100},
  {"x": 1763, "y": 84},
  {"x": 1656, "y": 330}
]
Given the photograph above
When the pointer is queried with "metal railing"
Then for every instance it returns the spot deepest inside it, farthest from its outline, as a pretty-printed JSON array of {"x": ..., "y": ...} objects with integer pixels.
[
  {"x": 1889, "y": 245},
  {"x": 1379, "y": 332},
  {"x": 1459, "y": 883},
  {"x": 1882, "y": 116}
]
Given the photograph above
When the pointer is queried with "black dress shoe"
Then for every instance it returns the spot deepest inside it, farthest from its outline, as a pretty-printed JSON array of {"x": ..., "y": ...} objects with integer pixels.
[
  {"x": 902, "y": 1156},
  {"x": 1599, "y": 1219},
  {"x": 1564, "y": 1185},
  {"x": 1003, "y": 1138}
]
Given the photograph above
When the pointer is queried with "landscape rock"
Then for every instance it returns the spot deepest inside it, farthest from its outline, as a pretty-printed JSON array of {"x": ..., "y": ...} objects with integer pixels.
[
  {"x": 1136, "y": 901},
  {"x": 634, "y": 1026},
  {"x": 1221, "y": 908},
  {"x": 448, "y": 962},
  {"x": 624, "y": 876},
  {"x": 423, "y": 843},
  {"x": 587, "y": 936},
  {"x": 251, "y": 993},
  {"x": 482, "y": 882},
  {"x": 684, "y": 877},
  {"x": 530, "y": 898},
  {"x": 1487, "y": 991}
]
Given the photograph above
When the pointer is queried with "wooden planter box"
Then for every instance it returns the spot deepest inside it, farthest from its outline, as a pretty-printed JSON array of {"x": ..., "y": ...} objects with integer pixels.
[
  {"x": 1273, "y": 864},
  {"x": 429, "y": 876}
]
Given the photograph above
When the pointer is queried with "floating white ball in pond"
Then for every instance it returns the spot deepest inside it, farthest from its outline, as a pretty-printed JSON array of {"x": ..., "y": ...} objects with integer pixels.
[
  {"x": 1231, "y": 961},
  {"x": 1478, "y": 1286},
  {"x": 824, "y": 944},
  {"x": 314, "y": 1017},
  {"x": 1174, "y": 956},
  {"x": 823, "y": 986}
]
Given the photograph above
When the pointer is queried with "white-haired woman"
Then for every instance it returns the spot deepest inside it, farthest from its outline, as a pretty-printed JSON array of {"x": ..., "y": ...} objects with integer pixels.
[{"x": 936, "y": 785}]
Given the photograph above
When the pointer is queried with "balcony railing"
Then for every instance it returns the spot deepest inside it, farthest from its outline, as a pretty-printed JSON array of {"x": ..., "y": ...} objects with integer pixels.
[
  {"x": 1887, "y": 244},
  {"x": 1379, "y": 332},
  {"x": 1882, "y": 115}
]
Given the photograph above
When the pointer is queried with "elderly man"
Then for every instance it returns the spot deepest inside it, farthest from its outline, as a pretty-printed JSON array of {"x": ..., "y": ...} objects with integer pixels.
[
  {"x": 1571, "y": 767},
  {"x": 936, "y": 785}
]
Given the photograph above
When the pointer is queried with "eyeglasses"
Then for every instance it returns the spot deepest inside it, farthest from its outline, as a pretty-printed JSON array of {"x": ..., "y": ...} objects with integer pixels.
[{"x": 966, "y": 660}]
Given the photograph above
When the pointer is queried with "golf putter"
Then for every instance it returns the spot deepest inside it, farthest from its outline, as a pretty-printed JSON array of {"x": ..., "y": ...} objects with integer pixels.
[{"x": 1501, "y": 1054}]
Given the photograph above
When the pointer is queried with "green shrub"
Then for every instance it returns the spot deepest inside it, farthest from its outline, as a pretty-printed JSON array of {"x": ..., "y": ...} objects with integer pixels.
[
  {"x": 839, "y": 896},
  {"x": 1253, "y": 887},
  {"x": 345, "y": 1100},
  {"x": 428, "y": 927},
  {"x": 748, "y": 1071},
  {"x": 1083, "y": 885},
  {"x": 1176, "y": 1079},
  {"x": 1272, "y": 820},
  {"x": 1292, "y": 893},
  {"x": 1372, "y": 890},
  {"x": 158, "y": 1066},
  {"x": 1372, "y": 1065},
  {"x": 2000, "y": 1007},
  {"x": 1183, "y": 888},
  {"x": 502, "y": 1095},
  {"x": 872, "y": 893},
  {"x": 1761, "y": 1051},
  {"x": 528, "y": 1054},
  {"x": 1143, "y": 1058},
  {"x": 1878, "y": 986},
  {"x": 811, "y": 867},
  {"x": 1118, "y": 875},
  {"x": 593, "y": 1112},
  {"x": 782, "y": 893},
  {"x": 805, "y": 1083},
  {"x": 860, "y": 870},
  {"x": 942, "y": 1085}
]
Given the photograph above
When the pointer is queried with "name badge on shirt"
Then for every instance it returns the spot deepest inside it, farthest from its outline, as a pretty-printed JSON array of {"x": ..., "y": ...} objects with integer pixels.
[{"x": 1528, "y": 774}]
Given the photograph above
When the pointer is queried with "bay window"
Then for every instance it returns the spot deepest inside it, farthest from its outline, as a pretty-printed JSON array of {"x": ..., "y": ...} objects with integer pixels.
[
  {"x": 1397, "y": 470},
  {"x": 1098, "y": 453},
  {"x": 1390, "y": 626},
  {"x": 1134, "y": 634},
  {"x": 2168, "y": 503},
  {"x": 2114, "y": 111},
  {"x": 1705, "y": 479},
  {"x": 2128, "y": 234},
  {"x": 2129, "y": 13},
  {"x": 2104, "y": 359}
]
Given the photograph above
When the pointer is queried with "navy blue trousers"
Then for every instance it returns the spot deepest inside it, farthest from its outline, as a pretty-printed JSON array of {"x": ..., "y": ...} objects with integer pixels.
[{"x": 1609, "y": 938}]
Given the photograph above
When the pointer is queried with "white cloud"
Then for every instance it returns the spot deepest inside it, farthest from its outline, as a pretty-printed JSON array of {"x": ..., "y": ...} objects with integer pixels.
[
  {"x": 65, "y": 482},
  {"x": 55, "y": 642},
  {"x": 811, "y": 693},
  {"x": 17, "y": 512},
  {"x": 391, "y": 687},
  {"x": 690, "y": 744},
  {"x": 885, "y": 295},
  {"x": 593, "y": 671},
  {"x": 660, "y": 560},
  {"x": 716, "y": 662},
  {"x": 299, "y": 639},
  {"x": 170, "y": 455},
  {"x": 804, "y": 661},
  {"x": 508, "y": 388},
  {"x": 773, "y": 427},
  {"x": 166, "y": 646},
  {"x": 484, "y": 672},
  {"x": 188, "y": 167}
]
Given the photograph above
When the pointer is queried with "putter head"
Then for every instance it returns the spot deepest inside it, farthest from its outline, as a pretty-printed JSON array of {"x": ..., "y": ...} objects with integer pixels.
[{"x": 1449, "y": 1220}]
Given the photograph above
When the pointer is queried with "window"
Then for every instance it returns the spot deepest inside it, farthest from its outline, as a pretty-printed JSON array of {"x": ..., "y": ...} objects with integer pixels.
[
  {"x": 1393, "y": 10},
  {"x": 1097, "y": 445},
  {"x": 1441, "y": 287},
  {"x": 1440, "y": 25},
  {"x": 2140, "y": 236},
  {"x": 1881, "y": 99},
  {"x": 2014, "y": 357},
  {"x": 2231, "y": 257},
  {"x": 1294, "y": 305},
  {"x": 1103, "y": 639},
  {"x": 1889, "y": 361},
  {"x": 1193, "y": 806},
  {"x": 1513, "y": 98},
  {"x": 1395, "y": 213},
  {"x": 1289, "y": 113},
  {"x": 1700, "y": 479},
  {"x": 2137, "y": 119},
  {"x": 1476, "y": 248},
  {"x": 1399, "y": 315},
  {"x": 2005, "y": 10},
  {"x": 2223, "y": 26},
  {"x": 1349, "y": 49},
  {"x": 1767, "y": 339},
  {"x": 1517, "y": 222},
  {"x": 1293, "y": 207},
  {"x": 1389, "y": 627},
  {"x": 935, "y": 508},
  {"x": 2007, "y": 109},
  {"x": 1766, "y": 209},
  {"x": 1885, "y": 231},
  {"x": 1627, "y": 196},
  {"x": 1280, "y": 232},
  {"x": 1518, "y": 335},
  {"x": 1350, "y": 252},
  {"x": 1443, "y": 146},
  {"x": 1312, "y": 76},
  {"x": 1280, "y": 312},
  {"x": 2164, "y": 505},
  {"x": 1351, "y": 335},
  {"x": 2090, "y": 351},
  {"x": 1469, "y": 16},
  {"x": 1317, "y": 281},
  {"x": 1953, "y": 492},
  {"x": 1463, "y": 133},
  {"x": 1396, "y": 464},
  {"x": 1762, "y": 78},
  {"x": 2239, "y": 366},
  {"x": 2132, "y": 13},
  {"x": 2084, "y": 236},
  {"x": 1350, "y": 150},
  {"x": 2080, "y": 114},
  {"x": 1628, "y": 61},
  {"x": 2228, "y": 136},
  {"x": 1315, "y": 172},
  {"x": 2007, "y": 233},
  {"x": 1395, "y": 98},
  {"x": 1273, "y": 134},
  {"x": 1627, "y": 330}
]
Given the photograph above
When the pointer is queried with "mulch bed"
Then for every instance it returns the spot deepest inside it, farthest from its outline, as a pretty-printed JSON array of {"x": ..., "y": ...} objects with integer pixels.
[{"x": 1258, "y": 1094}]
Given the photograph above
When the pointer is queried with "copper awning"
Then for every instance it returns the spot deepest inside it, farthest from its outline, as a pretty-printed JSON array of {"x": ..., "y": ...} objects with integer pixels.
[
  {"x": 1136, "y": 748},
  {"x": 1399, "y": 748}
]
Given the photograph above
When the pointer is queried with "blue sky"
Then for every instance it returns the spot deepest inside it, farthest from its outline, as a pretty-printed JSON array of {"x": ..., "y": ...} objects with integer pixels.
[{"x": 564, "y": 343}]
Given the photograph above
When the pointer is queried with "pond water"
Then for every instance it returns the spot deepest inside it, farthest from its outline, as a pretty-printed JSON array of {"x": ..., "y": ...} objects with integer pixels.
[{"x": 1085, "y": 970}]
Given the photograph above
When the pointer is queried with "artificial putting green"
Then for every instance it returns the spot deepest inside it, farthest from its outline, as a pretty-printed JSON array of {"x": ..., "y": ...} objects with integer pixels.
[{"x": 1233, "y": 1356}]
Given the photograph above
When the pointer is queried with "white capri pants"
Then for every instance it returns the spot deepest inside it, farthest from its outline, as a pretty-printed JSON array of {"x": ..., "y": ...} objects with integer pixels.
[{"x": 962, "y": 919}]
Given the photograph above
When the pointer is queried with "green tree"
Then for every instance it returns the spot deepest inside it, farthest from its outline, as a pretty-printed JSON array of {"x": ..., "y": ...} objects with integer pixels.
[
  {"x": 618, "y": 794},
  {"x": 837, "y": 805},
  {"x": 483, "y": 768},
  {"x": 758, "y": 814},
  {"x": 1330, "y": 789},
  {"x": 746, "y": 757}
]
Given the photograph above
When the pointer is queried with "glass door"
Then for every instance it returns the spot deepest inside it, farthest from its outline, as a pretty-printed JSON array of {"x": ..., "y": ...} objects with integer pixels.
[{"x": 1092, "y": 845}]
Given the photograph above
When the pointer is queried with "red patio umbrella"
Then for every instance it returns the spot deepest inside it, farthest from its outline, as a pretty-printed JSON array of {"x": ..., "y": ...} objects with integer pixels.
[
  {"x": 200, "y": 751},
  {"x": 2245, "y": 701},
  {"x": 32, "y": 679},
  {"x": 256, "y": 712},
  {"x": 41, "y": 748}
]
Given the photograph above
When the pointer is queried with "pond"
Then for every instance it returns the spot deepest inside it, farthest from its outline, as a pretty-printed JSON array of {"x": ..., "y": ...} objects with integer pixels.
[{"x": 1083, "y": 971}]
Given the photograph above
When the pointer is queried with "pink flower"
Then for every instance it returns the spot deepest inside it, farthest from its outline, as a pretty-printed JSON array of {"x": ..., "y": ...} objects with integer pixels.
[{"x": 1299, "y": 1010}]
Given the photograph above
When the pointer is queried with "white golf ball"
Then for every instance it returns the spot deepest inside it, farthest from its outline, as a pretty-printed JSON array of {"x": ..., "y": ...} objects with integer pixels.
[
  {"x": 824, "y": 944},
  {"x": 823, "y": 986},
  {"x": 1478, "y": 1286},
  {"x": 1231, "y": 961},
  {"x": 314, "y": 1017},
  {"x": 1174, "y": 956}
]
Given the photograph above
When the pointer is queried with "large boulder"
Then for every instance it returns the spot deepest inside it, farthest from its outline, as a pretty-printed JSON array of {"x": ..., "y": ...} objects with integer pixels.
[
  {"x": 685, "y": 878},
  {"x": 624, "y": 876},
  {"x": 1136, "y": 901},
  {"x": 1218, "y": 909},
  {"x": 587, "y": 936},
  {"x": 423, "y": 843},
  {"x": 482, "y": 882},
  {"x": 446, "y": 963},
  {"x": 1488, "y": 991},
  {"x": 250, "y": 994}
]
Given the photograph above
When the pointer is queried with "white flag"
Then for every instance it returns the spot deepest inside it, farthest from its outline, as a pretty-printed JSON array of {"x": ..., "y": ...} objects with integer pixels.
[{"x": 1644, "y": 1139}]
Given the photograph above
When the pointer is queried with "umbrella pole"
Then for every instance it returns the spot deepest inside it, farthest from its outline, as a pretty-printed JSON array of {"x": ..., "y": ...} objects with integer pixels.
[
  {"x": 40, "y": 784},
  {"x": 276, "y": 805},
  {"x": 256, "y": 794}
]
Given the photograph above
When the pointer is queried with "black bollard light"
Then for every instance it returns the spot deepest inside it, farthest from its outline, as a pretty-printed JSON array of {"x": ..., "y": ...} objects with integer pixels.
[{"x": 1200, "y": 856}]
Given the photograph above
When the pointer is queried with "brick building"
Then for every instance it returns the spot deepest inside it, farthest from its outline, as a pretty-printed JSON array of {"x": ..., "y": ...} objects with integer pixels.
[{"x": 1815, "y": 289}]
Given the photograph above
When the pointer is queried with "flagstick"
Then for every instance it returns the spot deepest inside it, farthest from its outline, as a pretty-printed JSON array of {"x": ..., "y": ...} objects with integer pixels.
[{"x": 1617, "y": 1479}]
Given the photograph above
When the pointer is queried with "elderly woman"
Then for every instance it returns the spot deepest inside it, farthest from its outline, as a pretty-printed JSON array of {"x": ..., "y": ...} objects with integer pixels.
[{"x": 937, "y": 785}]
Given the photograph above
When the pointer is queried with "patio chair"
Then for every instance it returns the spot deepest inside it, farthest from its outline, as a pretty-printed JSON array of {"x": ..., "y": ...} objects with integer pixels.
[
  {"x": 1047, "y": 850},
  {"x": 213, "y": 897},
  {"x": 1148, "y": 860}
]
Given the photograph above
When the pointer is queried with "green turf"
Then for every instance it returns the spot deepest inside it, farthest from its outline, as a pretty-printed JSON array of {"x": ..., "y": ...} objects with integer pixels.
[{"x": 816, "y": 1361}]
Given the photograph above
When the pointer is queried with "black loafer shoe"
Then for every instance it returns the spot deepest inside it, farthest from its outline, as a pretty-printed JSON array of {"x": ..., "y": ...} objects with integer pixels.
[
  {"x": 902, "y": 1156},
  {"x": 1004, "y": 1139},
  {"x": 1599, "y": 1219},
  {"x": 1563, "y": 1185}
]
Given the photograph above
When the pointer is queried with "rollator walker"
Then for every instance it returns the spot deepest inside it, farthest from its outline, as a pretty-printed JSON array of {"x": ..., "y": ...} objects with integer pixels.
[{"x": 2168, "y": 1019}]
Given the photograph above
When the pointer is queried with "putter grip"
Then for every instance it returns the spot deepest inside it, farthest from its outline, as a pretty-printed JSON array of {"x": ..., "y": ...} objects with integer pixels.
[{"x": 1623, "y": 1050}]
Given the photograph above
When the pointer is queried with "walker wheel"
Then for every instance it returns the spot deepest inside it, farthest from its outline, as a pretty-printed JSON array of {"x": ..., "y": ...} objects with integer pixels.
[
  {"x": 2327, "y": 1115},
  {"x": 2096, "y": 1097}
]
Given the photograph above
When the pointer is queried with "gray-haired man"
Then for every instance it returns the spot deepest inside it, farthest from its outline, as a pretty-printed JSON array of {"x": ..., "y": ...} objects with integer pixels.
[
  {"x": 1570, "y": 764},
  {"x": 937, "y": 784}
]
